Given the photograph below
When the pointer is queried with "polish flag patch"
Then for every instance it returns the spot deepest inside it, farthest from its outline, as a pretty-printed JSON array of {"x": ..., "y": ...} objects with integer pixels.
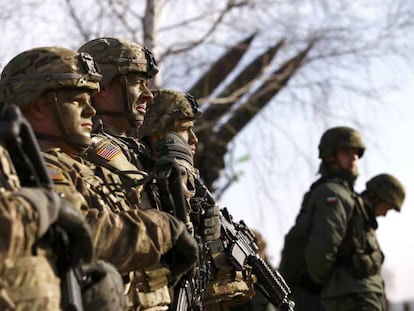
[{"x": 331, "y": 200}]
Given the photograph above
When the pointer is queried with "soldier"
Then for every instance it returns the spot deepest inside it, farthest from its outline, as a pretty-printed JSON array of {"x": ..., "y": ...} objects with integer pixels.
[
  {"x": 173, "y": 111},
  {"x": 382, "y": 193},
  {"x": 28, "y": 279},
  {"x": 332, "y": 253},
  {"x": 120, "y": 108},
  {"x": 121, "y": 105},
  {"x": 53, "y": 86}
]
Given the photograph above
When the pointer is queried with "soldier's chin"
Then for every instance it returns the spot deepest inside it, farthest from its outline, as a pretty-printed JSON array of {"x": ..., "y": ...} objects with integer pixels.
[
  {"x": 82, "y": 142},
  {"x": 139, "y": 123}
]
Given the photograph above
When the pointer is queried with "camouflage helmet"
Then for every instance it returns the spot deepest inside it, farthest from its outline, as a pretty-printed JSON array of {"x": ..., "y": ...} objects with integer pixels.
[
  {"x": 388, "y": 188},
  {"x": 119, "y": 57},
  {"x": 31, "y": 73},
  {"x": 168, "y": 106},
  {"x": 340, "y": 137}
]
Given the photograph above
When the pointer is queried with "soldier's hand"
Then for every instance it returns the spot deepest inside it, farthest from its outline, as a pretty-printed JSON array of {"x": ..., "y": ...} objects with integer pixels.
[
  {"x": 46, "y": 204},
  {"x": 53, "y": 209},
  {"x": 184, "y": 253},
  {"x": 210, "y": 223},
  {"x": 78, "y": 231},
  {"x": 103, "y": 288}
]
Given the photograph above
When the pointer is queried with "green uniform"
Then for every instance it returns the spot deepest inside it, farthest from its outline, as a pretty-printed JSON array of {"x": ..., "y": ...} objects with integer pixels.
[
  {"x": 338, "y": 256},
  {"x": 147, "y": 288},
  {"x": 28, "y": 281},
  {"x": 342, "y": 253},
  {"x": 305, "y": 292}
]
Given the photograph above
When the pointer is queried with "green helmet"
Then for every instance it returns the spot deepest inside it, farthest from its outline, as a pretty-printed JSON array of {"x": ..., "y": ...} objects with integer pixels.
[
  {"x": 31, "y": 73},
  {"x": 388, "y": 188},
  {"x": 119, "y": 57},
  {"x": 340, "y": 137},
  {"x": 167, "y": 107}
]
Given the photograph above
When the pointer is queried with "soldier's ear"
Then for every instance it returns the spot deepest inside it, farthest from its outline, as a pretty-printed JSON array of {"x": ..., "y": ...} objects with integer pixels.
[{"x": 35, "y": 110}]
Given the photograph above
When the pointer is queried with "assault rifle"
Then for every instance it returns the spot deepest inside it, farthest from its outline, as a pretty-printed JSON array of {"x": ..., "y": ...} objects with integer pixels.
[
  {"x": 21, "y": 144},
  {"x": 238, "y": 242},
  {"x": 189, "y": 290}
]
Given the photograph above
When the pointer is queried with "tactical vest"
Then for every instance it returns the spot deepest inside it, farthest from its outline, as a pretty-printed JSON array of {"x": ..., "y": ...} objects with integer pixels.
[
  {"x": 100, "y": 193},
  {"x": 126, "y": 157},
  {"x": 360, "y": 251},
  {"x": 123, "y": 156}
]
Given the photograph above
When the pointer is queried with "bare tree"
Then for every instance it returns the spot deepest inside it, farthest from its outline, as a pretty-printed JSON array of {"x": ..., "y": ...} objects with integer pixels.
[{"x": 243, "y": 59}]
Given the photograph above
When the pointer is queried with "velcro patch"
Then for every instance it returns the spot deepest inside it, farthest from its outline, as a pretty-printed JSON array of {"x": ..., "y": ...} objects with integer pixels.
[
  {"x": 109, "y": 151},
  {"x": 331, "y": 200},
  {"x": 54, "y": 173}
]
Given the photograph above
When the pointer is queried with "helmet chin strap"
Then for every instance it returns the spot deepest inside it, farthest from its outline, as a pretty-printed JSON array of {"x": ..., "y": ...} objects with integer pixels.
[
  {"x": 127, "y": 113},
  {"x": 125, "y": 98},
  {"x": 80, "y": 144}
]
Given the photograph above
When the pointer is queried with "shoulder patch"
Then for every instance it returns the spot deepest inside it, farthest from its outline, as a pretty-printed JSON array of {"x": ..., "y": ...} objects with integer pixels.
[
  {"x": 331, "y": 200},
  {"x": 54, "y": 173},
  {"x": 108, "y": 151}
]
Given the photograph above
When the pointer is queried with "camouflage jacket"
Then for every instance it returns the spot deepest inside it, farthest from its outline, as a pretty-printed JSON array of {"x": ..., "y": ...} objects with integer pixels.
[
  {"x": 27, "y": 280},
  {"x": 125, "y": 236},
  {"x": 342, "y": 252},
  {"x": 128, "y": 158}
]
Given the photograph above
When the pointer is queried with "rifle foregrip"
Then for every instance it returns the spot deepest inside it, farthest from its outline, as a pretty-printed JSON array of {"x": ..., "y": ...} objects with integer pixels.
[{"x": 271, "y": 283}]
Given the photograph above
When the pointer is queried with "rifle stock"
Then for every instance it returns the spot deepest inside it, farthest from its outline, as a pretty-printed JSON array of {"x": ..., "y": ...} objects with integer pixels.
[{"x": 21, "y": 143}]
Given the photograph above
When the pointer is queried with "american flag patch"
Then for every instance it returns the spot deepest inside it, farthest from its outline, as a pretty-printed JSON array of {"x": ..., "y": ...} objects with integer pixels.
[
  {"x": 54, "y": 173},
  {"x": 331, "y": 200},
  {"x": 108, "y": 151}
]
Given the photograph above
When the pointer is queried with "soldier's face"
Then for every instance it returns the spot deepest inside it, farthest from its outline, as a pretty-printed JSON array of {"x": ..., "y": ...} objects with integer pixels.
[
  {"x": 185, "y": 128},
  {"x": 140, "y": 97},
  {"x": 112, "y": 97},
  {"x": 76, "y": 112},
  {"x": 382, "y": 208},
  {"x": 347, "y": 159}
]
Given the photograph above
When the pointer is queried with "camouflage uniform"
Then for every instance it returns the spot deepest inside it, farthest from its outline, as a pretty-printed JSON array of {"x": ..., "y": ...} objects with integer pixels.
[
  {"x": 332, "y": 251},
  {"x": 31, "y": 261},
  {"x": 119, "y": 58},
  {"x": 169, "y": 109},
  {"x": 21, "y": 229},
  {"x": 123, "y": 235}
]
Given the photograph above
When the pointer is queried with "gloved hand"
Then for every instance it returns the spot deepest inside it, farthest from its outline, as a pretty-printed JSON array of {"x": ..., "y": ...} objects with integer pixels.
[
  {"x": 78, "y": 231},
  {"x": 103, "y": 288},
  {"x": 210, "y": 223},
  {"x": 54, "y": 209},
  {"x": 184, "y": 253},
  {"x": 46, "y": 204}
]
